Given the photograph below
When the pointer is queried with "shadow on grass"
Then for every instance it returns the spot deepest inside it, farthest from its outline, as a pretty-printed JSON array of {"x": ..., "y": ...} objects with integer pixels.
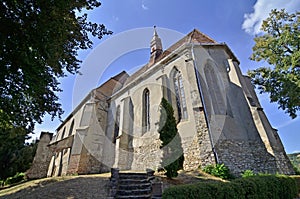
[{"x": 67, "y": 187}]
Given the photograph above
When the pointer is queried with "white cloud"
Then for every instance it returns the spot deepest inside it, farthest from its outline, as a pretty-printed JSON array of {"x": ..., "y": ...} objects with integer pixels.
[
  {"x": 287, "y": 123},
  {"x": 262, "y": 8},
  {"x": 144, "y": 6}
]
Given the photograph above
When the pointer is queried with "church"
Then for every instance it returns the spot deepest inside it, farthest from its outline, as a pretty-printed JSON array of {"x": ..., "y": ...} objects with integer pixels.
[{"x": 218, "y": 115}]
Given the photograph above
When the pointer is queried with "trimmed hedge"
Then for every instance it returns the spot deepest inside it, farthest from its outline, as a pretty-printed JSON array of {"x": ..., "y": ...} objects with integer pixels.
[{"x": 254, "y": 187}]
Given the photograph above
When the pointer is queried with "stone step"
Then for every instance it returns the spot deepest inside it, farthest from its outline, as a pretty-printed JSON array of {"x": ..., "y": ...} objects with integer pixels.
[
  {"x": 148, "y": 196},
  {"x": 132, "y": 181},
  {"x": 134, "y": 186},
  {"x": 136, "y": 192},
  {"x": 133, "y": 176}
]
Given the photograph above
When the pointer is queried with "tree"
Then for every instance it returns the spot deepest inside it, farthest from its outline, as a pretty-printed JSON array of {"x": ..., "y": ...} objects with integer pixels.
[
  {"x": 15, "y": 155},
  {"x": 279, "y": 46},
  {"x": 171, "y": 142},
  {"x": 39, "y": 41}
]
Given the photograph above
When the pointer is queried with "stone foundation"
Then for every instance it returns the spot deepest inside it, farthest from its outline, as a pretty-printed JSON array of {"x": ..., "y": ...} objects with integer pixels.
[
  {"x": 245, "y": 155},
  {"x": 198, "y": 152},
  {"x": 147, "y": 156}
]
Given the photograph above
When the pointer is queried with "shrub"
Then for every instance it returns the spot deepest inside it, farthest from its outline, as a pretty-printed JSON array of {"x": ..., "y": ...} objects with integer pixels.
[
  {"x": 254, "y": 187},
  {"x": 296, "y": 169},
  {"x": 171, "y": 141},
  {"x": 218, "y": 170},
  {"x": 16, "y": 178},
  {"x": 247, "y": 173}
]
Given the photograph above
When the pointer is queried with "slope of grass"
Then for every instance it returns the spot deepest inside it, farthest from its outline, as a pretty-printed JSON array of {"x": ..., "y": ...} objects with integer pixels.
[{"x": 83, "y": 186}]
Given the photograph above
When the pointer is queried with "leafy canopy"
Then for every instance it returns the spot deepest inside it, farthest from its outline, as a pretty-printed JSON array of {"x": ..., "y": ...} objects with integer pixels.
[
  {"x": 279, "y": 46},
  {"x": 39, "y": 41}
]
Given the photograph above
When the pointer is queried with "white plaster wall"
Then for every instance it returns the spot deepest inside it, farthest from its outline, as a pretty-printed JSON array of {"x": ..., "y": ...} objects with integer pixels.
[{"x": 153, "y": 83}]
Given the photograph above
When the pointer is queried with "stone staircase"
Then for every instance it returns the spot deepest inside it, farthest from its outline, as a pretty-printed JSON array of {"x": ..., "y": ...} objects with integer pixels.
[{"x": 135, "y": 185}]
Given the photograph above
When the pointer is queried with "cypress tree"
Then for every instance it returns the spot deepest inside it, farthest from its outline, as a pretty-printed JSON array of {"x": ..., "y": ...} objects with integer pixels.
[{"x": 171, "y": 141}]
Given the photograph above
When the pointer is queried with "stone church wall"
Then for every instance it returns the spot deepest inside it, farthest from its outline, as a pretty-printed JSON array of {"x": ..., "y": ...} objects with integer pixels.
[
  {"x": 42, "y": 158},
  {"x": 240, "y": 155},
  {"x": 223, "y": 121}
]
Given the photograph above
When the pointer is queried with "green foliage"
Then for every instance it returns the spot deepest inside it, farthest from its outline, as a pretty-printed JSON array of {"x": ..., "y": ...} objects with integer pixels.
[
  {"x": 218, "y": 170},
  {"x": 296, "y": 169},
  {"x": 295, "y": 160},
  {"x": 39, "y": 41},
  {"x": 297, "y": 179},
  {"x": 279, "y": 46},
  {"x": 247, "y": 173},
  {"x": 256, "y": 187},
  {"x": 171, "y": 141},
  {"x": 18, "y": 177},
  {"x": 15, "y": 156}
]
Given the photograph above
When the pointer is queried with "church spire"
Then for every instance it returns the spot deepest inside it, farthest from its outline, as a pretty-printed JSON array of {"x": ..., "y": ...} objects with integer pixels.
[{"x": 156, "y": 47}]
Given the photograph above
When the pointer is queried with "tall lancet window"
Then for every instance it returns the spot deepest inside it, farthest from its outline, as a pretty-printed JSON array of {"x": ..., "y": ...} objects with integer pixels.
[
  {"x": 180, "y": 96},
  {"x": 146, "y": 110},
  {"x": 117, "y": 125}
]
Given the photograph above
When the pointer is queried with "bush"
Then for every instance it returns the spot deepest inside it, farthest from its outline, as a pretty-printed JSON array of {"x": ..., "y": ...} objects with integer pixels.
[
  {"x": 296, "y": 169},
  {"x": 218, "y": 170},
  {"x": 255, "y": 187},
  {"x": 247, "y": 173},
  {"x": 16, "y": 178}
]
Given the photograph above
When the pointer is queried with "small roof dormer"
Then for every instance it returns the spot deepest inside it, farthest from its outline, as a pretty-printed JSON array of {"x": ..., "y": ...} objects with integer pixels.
[{"x": 156, "y": 47}]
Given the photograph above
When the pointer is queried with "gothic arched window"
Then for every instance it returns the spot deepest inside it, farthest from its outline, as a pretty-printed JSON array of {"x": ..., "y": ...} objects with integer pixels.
[
  {"x": 180, "y": 96},
  {"x": 215, "y": 92},
  {"x": 63, "y": 133},
  {"x": 146, "y": 110},
  {"x": 71, "y": 128},
  {"x": 117, "y": 125}
]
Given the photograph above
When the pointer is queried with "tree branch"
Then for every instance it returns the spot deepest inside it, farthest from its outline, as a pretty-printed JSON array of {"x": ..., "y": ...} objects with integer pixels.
[{"x": 288, "y": 49}]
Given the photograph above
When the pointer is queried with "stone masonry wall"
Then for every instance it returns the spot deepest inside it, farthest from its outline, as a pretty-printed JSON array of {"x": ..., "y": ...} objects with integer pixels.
[
  {"x": 199, "y": 152},
  {"x": 42, "y": 158},
  {"x": 73, "y": 164},
  {"x": 245, "y": 155},
  {"x": 147, "y": 156},
  {"x": 283, "y": 163}
]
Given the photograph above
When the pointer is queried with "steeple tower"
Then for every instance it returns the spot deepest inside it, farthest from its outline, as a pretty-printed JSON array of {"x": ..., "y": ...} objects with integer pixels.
[{"x": 156, "y": 47}]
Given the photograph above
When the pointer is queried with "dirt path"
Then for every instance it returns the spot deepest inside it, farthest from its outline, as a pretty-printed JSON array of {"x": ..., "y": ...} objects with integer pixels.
[{"x": 71, "y": 187}]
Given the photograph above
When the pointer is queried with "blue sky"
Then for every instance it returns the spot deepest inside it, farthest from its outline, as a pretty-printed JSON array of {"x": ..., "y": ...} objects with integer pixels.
[{"x": 234, "y": 22}]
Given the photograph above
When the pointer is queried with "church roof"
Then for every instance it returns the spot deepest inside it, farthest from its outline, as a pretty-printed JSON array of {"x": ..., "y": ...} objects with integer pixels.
[
  {"x": 104, "y": 91},
  {"x": 112, "y": 85},
  {"x": 194, "y": 36}
]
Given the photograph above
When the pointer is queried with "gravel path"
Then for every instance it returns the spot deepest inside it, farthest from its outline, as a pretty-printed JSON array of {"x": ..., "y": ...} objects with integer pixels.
[{"x": 76, "y": 187}]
